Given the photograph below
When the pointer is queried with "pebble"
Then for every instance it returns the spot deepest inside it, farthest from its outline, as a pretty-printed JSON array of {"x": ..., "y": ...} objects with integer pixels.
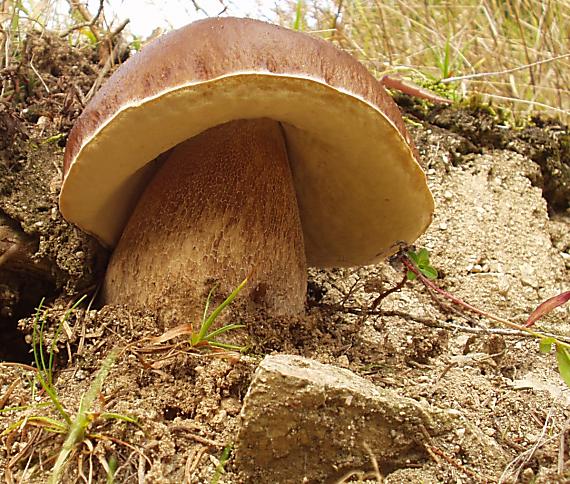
[
  {"x": 503, "y": 286},
  {"x": 528, "y": 275},
  {"x": 42, "y": 122},
  {"x": 80, "y": 374}
]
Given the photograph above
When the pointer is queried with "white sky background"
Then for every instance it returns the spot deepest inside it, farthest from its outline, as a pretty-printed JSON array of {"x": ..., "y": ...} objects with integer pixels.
[{"x": 147, "y": 15}]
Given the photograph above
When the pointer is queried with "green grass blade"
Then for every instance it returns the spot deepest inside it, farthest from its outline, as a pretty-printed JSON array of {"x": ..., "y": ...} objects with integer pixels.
[
  {"x": 21, "y": 408},
  {"x": 79, "y": 426},
  {"x": 227, "y": 346},
  {"x": 563, "y": 357},
  {"x": 57, "y": 333},
  {"x": 113, "y": 465},
  {"x": 222, "y": 330},
  {"x": 35, "y": 332},
  {"x": 55, "y": 400},
  {"x": 545, "y": 344},
  {"x": 222, "y": 462},
  {"x": 52, "y": 424},
  {"x": 118, "y": 416},
  {"x": 297, "y": 23},
  {"x": 37, "y": 349},
  {"x": 206, "y": 326},
  {"x": 207, "y": 306},
  {"x": 447, "y": 59}
]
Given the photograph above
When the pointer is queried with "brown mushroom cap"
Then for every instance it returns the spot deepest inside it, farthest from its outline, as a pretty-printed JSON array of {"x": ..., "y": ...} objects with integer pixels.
[{"x": 359, "y": 187}]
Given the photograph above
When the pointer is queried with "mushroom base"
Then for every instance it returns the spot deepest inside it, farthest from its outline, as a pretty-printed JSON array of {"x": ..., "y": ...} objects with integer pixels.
[{"x": 220, "y": 209}]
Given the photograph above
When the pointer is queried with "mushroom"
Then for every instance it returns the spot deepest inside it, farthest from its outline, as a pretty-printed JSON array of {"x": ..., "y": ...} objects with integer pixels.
[{"x": 233, "y": 147}]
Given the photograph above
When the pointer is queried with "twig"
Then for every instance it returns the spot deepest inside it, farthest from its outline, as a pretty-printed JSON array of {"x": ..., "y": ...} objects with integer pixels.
[
  {"x": 39, "y": 75},
  {"x": 199, "y": 8},
  {"x": 89, "y": 23},
  {"x": 336, "y": 16},
  {"x": 119, "y": 28},
  {"x": 505, "y": 71},
  {"x": 198, "y": 438},
  {"x": 525, "y": 101},
  {"x": 424, "y": 280},
  {"x": 514, "y": 467},
  {"x": 108, "y": 64},
  {"x": 8, "y": 392},
  {"x": 562, "y": 448},
  {"x": 440, "y": 324},
  {"x": 7, "y": 255},
  {"x": 374, "y": 461},
  {"x": 385, "y": 294},
  {"x": 196, "y": 460},
  {"x": 412, "y": 89}
]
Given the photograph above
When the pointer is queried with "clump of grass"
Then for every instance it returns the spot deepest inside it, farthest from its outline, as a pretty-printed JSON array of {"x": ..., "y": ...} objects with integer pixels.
[
  {"x": 77, "y": 428},
  {"x": 513, "y": 53},
  {"x": 206, "y": 338},
  {"x": 203, "y": 338}
]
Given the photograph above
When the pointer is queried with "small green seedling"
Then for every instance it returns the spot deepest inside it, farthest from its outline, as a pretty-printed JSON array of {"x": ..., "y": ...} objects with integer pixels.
[
  {"x": 224, "y": 458},
  {"x": 203, "y": 337},
  {"x": 421, "y": 261}
]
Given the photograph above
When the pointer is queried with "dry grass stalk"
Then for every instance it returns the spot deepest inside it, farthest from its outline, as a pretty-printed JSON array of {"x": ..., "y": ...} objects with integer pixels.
[{"x": 515, "y": 51}]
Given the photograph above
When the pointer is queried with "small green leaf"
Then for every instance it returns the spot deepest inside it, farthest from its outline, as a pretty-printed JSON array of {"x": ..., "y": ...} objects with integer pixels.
[
  {"x": 563, "y": 363},
  {"x": 423, "y": 257},
  {"x": 411, "y": 276},
  {"x": 429, "y": 272},
  {"x": 545, "y": 344},
  {"x": 223, "y": 329},
  {"x": 413, "y": 256}
]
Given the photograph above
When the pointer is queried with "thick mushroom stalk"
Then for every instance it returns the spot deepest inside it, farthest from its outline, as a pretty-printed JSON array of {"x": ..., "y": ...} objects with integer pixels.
[{"x": 222, "y": 207}]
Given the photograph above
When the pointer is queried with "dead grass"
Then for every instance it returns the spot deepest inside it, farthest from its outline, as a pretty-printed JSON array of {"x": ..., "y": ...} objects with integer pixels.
[{"x": 512, "y": 52}]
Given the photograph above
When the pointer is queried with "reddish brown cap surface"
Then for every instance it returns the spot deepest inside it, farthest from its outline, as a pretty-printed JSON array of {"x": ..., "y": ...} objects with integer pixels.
[{"x": 358, "y": 184}]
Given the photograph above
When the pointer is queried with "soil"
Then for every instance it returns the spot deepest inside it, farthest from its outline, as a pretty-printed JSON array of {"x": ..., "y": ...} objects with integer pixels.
[{"x": 500, "y": 239}]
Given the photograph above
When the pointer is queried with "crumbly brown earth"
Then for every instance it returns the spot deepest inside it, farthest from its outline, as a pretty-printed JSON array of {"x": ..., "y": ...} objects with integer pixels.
[{"x": 500, "y": 239}]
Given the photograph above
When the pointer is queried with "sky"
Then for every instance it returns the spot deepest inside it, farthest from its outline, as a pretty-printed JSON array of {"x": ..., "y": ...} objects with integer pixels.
[{"x": 147, "y": 15}]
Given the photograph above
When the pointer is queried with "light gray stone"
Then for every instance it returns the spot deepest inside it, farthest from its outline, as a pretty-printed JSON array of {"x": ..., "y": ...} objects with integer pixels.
[{"x": 303, "y": 421}]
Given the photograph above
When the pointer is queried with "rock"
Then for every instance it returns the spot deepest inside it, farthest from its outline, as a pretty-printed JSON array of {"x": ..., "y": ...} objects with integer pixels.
[{"x": 303, "y": 421}]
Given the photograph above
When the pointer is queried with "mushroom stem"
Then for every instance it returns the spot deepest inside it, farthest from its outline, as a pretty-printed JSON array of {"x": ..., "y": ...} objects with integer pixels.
[{"x": 221, "y": 207}]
